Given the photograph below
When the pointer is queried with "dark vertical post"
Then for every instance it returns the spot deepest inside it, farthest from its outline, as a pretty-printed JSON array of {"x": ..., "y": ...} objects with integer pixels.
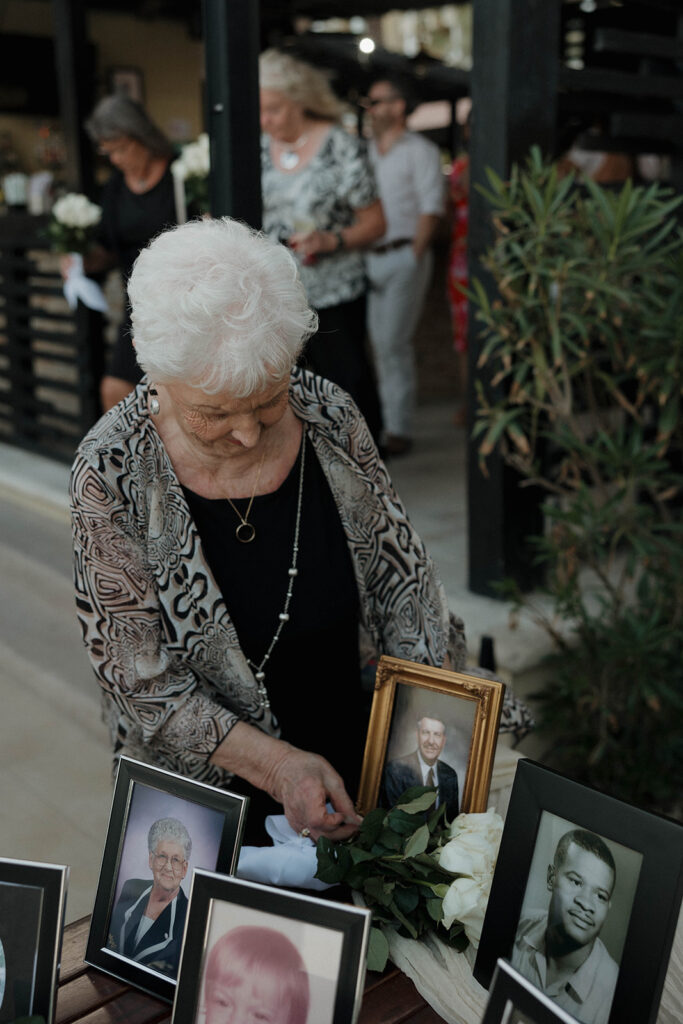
[
  {"x": 74, "y": 79},
  {"x": 231, "y": 46},
  {"x": 514, "y": 79}
]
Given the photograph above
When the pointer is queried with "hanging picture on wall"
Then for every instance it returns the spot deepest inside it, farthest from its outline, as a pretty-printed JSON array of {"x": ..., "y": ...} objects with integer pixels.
[{"x": 127, "y": 81}]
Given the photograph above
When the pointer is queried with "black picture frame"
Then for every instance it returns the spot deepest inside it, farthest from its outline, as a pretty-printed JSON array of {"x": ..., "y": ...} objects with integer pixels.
[
  {"x": 656, "y": 888},
  {"x": 331, "y": 938},
  {"x": 143, "y": 794},
  {"x": 514, "y": 1000},
  {"x": 32, "y": 902}
]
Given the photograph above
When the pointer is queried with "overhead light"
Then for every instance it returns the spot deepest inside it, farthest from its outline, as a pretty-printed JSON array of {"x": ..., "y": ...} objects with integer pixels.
[
  {"x": 366, "y": 45},
  {"x": 588, "y": 6}
]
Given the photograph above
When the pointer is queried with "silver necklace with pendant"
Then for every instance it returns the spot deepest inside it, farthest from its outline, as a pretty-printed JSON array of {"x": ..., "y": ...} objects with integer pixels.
[
  {"x": 292, "y": 572},
  {"x": 288, "y": 157}
]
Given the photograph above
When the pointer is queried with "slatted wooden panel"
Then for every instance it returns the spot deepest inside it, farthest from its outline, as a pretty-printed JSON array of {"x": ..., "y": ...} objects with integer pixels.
[{"x": 50, "y": 357}]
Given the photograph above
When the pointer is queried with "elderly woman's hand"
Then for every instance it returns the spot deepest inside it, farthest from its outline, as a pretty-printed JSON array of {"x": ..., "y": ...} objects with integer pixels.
[
  {"x": 301, "y": 781},
  {"x": 304, "y": 783}
]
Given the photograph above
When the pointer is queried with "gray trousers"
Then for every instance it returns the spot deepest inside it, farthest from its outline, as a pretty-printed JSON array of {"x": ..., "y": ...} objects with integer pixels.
[{"x": 398, "y": 285}]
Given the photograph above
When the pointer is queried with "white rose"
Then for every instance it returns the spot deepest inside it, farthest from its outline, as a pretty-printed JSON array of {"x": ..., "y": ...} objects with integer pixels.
[
  {"x": 469, "y": 854},
  {"x": 466, "y": 902},
  {"x": 76, "y": 211}
]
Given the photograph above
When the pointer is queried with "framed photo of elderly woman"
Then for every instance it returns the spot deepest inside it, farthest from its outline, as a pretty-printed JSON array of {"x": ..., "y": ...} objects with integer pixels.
[
  {"x": 253, "y": 952},
  {"x": 161, "y": 827},
  {"x": 430, "y": 727},
  {"x": 32, "y": 900},
  {"x": 585, "y": 899}
]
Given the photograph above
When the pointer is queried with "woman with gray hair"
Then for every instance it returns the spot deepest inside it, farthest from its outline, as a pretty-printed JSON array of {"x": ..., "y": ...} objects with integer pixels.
[
  {"x": 148, "y": 918},
  {"x": 320, "y": 199},
  {"x": 240, "y": 551},
  {"x": 137, "y": 203}
]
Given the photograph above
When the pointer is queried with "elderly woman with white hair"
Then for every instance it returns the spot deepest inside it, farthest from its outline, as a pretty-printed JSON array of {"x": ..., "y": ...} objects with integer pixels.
[
  {"x": 149, "y": 916},
  {"x": 239, "y": 549},
  {"x": 320, "y": 198}
]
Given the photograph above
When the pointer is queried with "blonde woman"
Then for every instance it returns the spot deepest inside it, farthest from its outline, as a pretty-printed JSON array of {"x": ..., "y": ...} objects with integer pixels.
[{"x": 320, "y": 199}]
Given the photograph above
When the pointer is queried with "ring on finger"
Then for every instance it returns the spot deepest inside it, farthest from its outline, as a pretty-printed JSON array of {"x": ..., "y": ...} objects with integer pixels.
[{"x": 305, "y": 832}]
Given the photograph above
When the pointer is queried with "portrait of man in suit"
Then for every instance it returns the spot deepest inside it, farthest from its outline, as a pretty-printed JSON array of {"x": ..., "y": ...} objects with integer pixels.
[
  {"x": 149, "y": 915},
  {"x": 424, "y": 767}
]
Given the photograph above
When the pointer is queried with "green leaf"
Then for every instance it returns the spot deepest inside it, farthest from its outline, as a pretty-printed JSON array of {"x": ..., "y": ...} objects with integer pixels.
[
  {"x": 378, "y": 950},
  {"x": 416, "y": 800},
  {"x": 417, "y": 842},
  {"x": 378, "y": 890}
]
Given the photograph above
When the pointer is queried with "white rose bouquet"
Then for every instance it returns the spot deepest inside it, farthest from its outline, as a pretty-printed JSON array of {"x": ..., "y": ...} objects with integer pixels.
[
  {"x": 191, "y": 175},
  {"x": 416, "y": 872},
  {"x": 73, "y": 219}
]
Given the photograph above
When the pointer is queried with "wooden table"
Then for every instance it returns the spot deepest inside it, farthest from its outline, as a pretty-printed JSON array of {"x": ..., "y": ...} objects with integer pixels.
[{"x": 87, "y": 995}]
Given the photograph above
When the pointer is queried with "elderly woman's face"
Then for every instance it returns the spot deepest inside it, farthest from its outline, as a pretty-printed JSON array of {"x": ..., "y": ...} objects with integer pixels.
[
  {"x": 168, "y": 865},
  {"x": 281, "y": 118},
  {"x": 224, "y": 424}
]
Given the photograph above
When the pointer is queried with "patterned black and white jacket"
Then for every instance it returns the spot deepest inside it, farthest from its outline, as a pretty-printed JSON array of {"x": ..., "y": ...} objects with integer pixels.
[{"x": 173, "y": 677}]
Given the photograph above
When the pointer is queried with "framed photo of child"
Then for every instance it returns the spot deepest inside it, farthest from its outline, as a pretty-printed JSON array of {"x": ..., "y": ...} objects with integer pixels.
[{"x": 254, "y": 952}]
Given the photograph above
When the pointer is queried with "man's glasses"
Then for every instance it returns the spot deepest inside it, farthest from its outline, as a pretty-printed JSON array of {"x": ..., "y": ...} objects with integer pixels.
[{"x": 161, "y": 860}]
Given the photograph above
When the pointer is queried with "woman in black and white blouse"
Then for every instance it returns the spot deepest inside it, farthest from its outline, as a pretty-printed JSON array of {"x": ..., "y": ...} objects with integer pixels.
[
  {"x": 320, "y": 198},
  {"x": 240, "y": 552}
]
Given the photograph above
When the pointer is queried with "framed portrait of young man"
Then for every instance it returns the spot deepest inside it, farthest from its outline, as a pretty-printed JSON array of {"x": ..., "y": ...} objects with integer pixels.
[
  {"x": 430, "y": 727},
  {"x": 585, "y": 898},
  {"x": 256, "y": 953},
  {"x": 32, "y": 901},
  {"x": 161, "y": 827}
]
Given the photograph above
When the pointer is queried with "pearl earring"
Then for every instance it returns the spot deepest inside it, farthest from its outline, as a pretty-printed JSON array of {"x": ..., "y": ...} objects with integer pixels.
[{"x": 154, "y": 406}]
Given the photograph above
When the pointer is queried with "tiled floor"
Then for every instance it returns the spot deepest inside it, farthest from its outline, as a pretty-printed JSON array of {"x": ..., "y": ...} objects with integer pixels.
[{"x": 54, "y": 755}]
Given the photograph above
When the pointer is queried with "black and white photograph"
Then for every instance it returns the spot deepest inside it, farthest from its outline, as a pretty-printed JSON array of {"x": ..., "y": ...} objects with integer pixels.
[
  {"x": 430, "y": 727},
  {"x": 513, "y": 1000},
  {"x": 591, "y": 925},
  {"x": 255, "y": 953},
  {"x": 32, "y": 902},
  {"x": 575, "y": 917},
  {"x": 162, "y": 827}
]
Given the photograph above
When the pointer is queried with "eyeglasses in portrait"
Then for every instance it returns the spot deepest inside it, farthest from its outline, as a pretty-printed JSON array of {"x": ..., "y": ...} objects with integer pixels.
[
  {"x": 161, "y": 828},
  {"x": 585, "y": 898},
  {"x": 257, "y": 953},
  {"x": 32, "y": 901},
  {"x": 430, "y": 727}
]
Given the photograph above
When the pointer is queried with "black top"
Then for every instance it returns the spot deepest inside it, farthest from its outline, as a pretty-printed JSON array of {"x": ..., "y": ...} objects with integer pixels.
[
  {"x": 313, "y": 674},
  {"x": 130, "y": 221}
]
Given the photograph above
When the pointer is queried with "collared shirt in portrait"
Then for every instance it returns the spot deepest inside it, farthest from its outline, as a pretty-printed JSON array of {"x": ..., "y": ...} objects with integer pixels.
[{"x": 587, "y": 994}]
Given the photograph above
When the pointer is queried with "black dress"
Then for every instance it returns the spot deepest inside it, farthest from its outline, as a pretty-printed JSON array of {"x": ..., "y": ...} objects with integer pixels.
[
  {"x": 129, "y": 222},
  {"x": 313, "y": 675}
]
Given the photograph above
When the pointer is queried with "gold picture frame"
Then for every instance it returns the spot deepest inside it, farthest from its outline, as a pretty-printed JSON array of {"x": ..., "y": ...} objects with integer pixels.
[{"x": 468, "y": 706}]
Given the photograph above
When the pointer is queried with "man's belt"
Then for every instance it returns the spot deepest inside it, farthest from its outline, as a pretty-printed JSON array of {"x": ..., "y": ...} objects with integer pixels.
[{"x": 397, "y": 243}]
